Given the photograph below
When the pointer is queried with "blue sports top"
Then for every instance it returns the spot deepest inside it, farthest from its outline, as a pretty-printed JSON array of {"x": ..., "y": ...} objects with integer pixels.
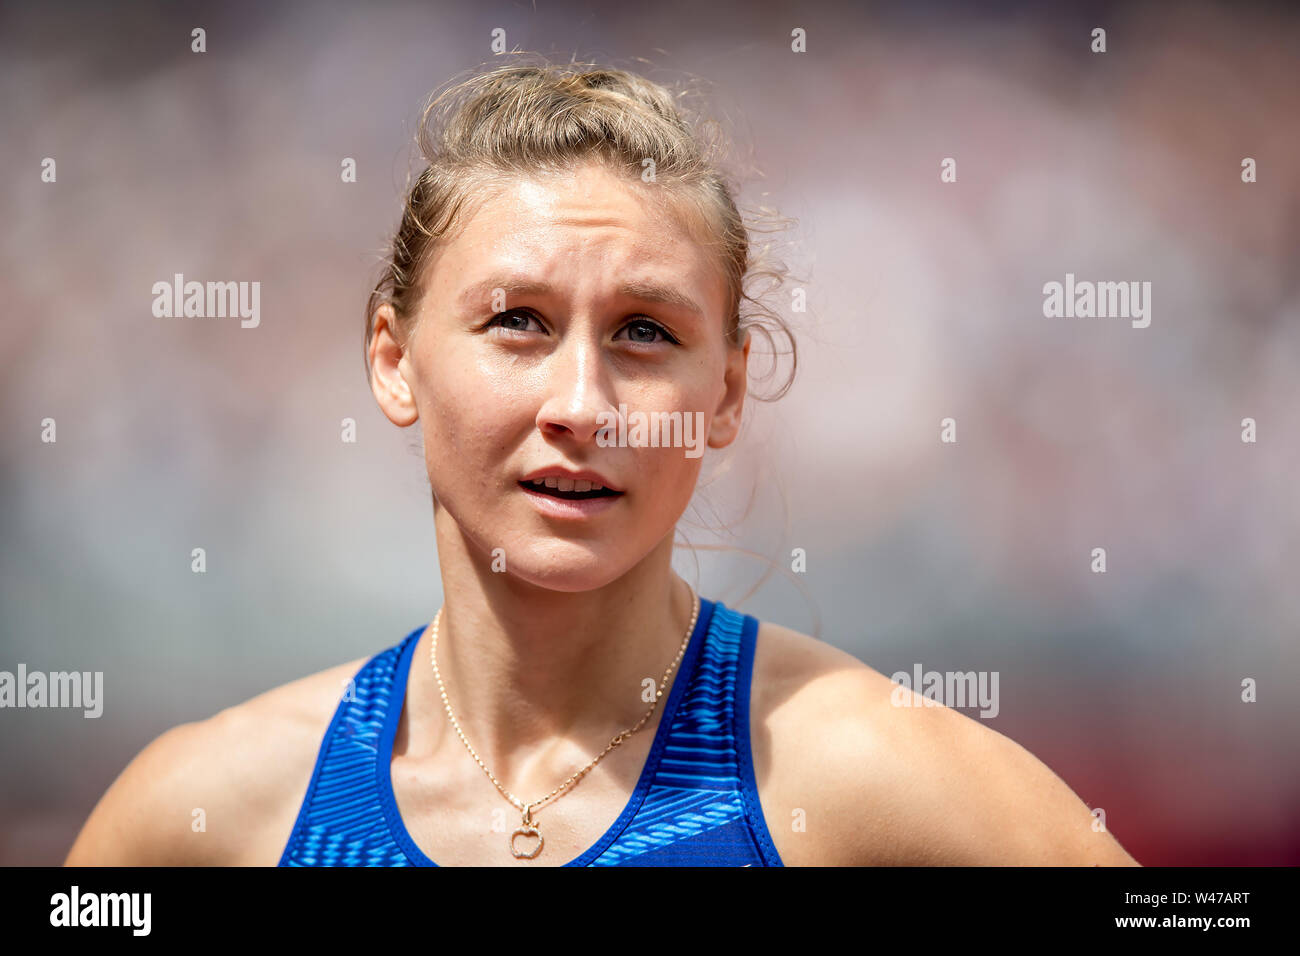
[{"x": 696, "y": 803}]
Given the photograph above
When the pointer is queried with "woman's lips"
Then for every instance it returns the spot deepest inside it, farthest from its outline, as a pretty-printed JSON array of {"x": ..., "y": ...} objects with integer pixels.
[
  {"x": 555, "y": 507},
  {"x": 565, "y": 480}
]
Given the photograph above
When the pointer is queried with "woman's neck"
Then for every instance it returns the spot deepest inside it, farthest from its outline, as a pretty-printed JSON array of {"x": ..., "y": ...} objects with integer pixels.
[{"x": 531, "y": 671}]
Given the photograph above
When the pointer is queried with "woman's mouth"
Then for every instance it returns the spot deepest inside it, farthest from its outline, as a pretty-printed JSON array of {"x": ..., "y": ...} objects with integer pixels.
[
  {"x": 568, "y": 489},
  {"x": 569, "y": 499}
]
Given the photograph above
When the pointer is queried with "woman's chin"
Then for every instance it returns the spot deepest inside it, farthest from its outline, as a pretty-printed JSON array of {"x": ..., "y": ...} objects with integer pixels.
[{"x": 585, "y": 572}]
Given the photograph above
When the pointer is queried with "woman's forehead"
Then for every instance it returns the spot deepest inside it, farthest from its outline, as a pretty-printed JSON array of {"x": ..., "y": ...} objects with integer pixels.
[
  {"x": 589, "y": 196},
  {"x": 541, "y": 228}
]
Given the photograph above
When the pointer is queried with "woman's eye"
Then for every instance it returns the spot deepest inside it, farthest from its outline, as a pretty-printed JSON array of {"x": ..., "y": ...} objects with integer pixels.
[
  {"x": 515, "y": 320},
  {"x": 644, "y": 332}
]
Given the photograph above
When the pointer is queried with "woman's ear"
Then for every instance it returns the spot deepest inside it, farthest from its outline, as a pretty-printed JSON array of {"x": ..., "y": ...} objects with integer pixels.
[
  {"x": 726, "y": 419},
  {"x": 390, "y": 367}
]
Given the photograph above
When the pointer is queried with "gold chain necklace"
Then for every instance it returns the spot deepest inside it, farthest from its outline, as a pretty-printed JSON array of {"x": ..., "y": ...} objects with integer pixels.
[{"x": 530, "y": 827}]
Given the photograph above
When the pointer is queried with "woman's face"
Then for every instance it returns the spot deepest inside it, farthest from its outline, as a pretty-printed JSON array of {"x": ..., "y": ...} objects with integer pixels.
[{"x": 563, "y": 302}]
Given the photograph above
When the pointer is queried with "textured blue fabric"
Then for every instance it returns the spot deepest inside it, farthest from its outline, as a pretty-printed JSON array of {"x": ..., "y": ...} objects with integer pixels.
[{"x": 695, "y": 803}]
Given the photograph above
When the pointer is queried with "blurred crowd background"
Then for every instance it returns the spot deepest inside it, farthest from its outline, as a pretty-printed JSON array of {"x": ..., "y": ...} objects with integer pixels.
[{"x": 924, "y": 302}]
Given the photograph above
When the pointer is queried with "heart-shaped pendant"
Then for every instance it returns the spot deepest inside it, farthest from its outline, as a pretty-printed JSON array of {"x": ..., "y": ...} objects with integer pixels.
[{"x": 526, "y": 832}]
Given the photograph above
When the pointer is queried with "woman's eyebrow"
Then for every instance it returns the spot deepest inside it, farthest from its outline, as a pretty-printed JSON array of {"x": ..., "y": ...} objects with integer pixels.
[
  {"x": 643, "y": 290},
  {"x": 480, "y": 292},
  {"x": 654, "y": 292}
]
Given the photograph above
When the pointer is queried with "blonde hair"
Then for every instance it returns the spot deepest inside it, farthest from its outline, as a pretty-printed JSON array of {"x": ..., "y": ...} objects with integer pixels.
[{"x": 531, "y": 115}]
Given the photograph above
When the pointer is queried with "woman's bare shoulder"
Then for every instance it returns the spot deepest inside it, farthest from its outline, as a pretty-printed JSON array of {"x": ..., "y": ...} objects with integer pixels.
[
  {"x": 219, "y": 791},
  {"x": 860, "y": 771}
]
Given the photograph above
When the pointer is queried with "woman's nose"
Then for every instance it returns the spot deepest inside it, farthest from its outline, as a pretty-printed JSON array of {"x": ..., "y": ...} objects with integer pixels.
[{"x": 578, "y": 392}]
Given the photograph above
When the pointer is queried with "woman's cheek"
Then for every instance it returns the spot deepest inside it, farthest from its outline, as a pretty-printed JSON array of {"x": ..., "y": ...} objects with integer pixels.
[
  {"x": 461, "y": 401},
  {"x": 668, "y": 472}
]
